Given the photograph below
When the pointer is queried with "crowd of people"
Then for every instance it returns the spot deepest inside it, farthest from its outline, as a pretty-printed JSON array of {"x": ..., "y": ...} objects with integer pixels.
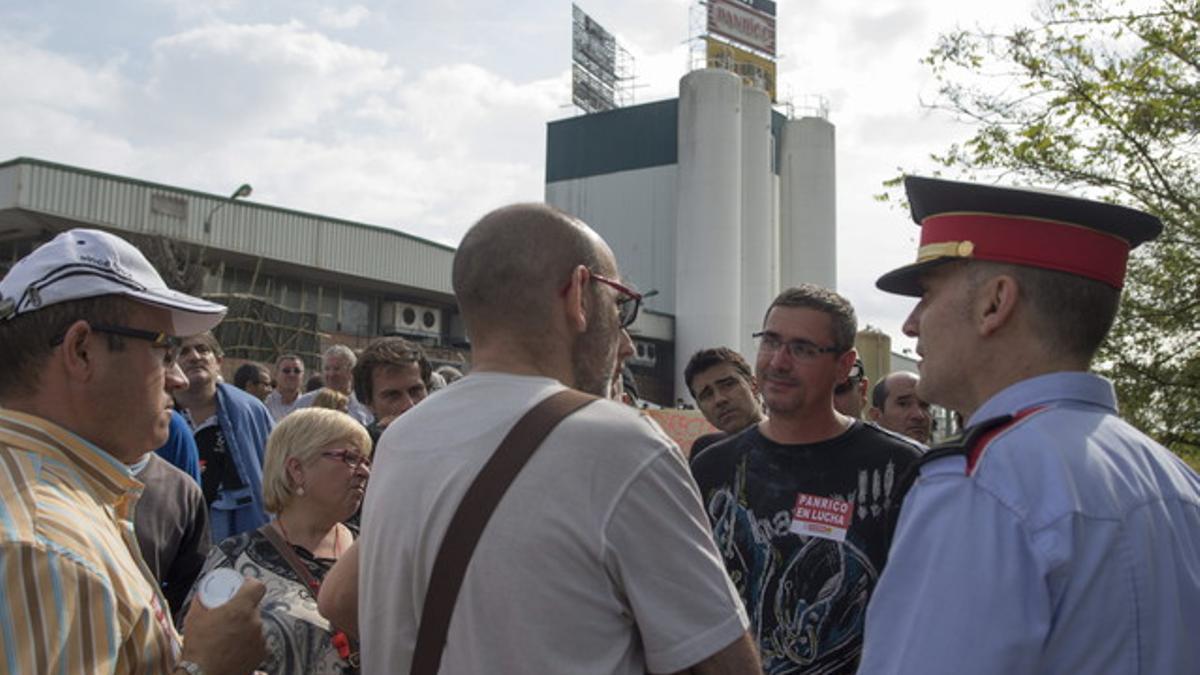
[{"x": 817, "y": 531}]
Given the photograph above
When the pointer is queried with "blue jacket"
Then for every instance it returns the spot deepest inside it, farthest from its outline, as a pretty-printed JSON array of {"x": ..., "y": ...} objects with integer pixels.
[
  {"x": 245, "y": 423},
  {"x": 180, "y": 448}
]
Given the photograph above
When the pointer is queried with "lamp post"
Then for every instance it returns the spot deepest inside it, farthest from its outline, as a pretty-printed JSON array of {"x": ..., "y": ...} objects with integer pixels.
[{"x": 243, "y": 190}]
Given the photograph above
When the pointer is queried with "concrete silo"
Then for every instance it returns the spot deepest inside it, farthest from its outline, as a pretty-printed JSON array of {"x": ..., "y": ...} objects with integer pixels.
[
  {"x": 759, "y": 261},
  {"x": 715, "y": 200},
  {"x": 807, "y": 200},
  {"x": 708, "y": 258}
]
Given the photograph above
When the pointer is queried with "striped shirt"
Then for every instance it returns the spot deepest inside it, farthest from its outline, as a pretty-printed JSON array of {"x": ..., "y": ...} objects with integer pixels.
[{"x": 77, "y": 596}]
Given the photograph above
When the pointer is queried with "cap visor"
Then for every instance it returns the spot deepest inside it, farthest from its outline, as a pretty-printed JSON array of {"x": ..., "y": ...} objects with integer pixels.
[
  {"x": 907, "y": 280},
  {"x": 190, "y": 315}
]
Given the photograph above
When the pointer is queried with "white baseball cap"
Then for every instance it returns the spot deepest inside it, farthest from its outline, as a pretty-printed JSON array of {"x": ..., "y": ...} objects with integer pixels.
[{"x": 79, "y": 264}]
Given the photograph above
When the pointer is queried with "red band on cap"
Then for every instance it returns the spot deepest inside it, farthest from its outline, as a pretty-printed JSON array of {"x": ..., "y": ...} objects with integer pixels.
[{"x": 1047, "y": 244}]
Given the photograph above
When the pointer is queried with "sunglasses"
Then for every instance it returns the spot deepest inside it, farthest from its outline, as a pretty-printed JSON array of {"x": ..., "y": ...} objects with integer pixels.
[{"x": 168, "y": 343}]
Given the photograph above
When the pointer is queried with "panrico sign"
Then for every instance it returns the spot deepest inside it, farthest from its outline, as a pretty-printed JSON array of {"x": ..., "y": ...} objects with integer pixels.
[{"x": 738, "y": 22}]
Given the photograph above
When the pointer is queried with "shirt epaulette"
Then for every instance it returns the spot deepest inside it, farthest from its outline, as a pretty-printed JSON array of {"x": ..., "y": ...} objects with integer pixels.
[{"x": 963, "y": 443}]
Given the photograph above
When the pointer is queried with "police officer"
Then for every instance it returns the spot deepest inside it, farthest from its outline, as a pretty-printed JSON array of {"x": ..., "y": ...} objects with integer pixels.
[{"x": 1052, "y": 537}]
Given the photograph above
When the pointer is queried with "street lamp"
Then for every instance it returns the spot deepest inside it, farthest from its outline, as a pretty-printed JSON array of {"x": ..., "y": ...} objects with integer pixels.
[{"x": 243, "y": 190}]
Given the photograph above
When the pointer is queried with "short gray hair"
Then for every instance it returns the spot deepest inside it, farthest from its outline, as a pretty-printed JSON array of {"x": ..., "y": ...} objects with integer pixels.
[{"x": 342, "y": 352}]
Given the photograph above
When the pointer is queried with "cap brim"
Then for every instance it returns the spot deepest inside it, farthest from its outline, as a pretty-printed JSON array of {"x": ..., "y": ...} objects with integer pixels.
[
  {"x": 907, "y": 280},
  {"x": 189, "y": 314}
]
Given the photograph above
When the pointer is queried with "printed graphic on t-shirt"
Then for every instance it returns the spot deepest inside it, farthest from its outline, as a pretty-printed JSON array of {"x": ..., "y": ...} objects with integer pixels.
[
  {"x": 217, "y": 469},
  {"x": 804, "y": 533}
]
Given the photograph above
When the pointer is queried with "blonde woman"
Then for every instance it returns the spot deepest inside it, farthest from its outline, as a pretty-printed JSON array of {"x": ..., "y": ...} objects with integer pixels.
[{"x": 315, "y": 475}]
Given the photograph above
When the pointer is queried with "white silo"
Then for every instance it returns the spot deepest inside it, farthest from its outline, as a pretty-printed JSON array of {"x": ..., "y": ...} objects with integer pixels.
[
  {"x": 758, "y": 212},
  {"x": 708, "y": 217},
  {"x": 807, "y": 197}
]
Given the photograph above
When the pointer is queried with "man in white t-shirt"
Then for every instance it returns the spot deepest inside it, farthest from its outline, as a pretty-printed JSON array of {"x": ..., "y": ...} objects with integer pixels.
[{"x": 599, "y": 558}]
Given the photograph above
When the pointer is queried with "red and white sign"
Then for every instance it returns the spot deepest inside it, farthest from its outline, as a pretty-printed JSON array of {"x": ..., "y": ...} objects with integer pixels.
[
  {"x": 746, "y": 26},
  {"x": 823, "y": 517}
]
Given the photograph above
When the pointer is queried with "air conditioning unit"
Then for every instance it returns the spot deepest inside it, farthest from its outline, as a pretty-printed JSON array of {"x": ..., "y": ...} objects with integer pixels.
[
  {"x": 644, "y": 354},
  {"x": 409, "y": 319}
]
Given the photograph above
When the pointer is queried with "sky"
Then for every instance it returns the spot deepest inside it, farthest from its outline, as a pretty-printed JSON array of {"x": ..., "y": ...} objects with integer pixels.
[{"x": 424, "y": 116}]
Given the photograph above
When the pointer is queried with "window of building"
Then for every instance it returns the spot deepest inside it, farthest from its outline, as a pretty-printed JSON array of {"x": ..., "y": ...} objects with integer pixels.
[
  {"x": 287, "y": 293},
  {"x": 327, "y": 317},
  {"x": 236, "y": 280},
  {"x": 356, "y": 313}
]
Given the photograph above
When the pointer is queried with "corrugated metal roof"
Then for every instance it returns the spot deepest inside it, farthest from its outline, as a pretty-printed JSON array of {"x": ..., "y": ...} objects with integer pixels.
[{"x": 273, "y": 233}]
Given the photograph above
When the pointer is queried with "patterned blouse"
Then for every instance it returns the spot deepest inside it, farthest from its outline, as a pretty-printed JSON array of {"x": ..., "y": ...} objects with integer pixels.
[{"x": 299, "y": 639}]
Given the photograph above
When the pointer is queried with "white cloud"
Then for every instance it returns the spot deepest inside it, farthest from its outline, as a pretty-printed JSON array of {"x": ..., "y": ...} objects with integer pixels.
[
  {"x": 32, "y": 75},
  {"x": 349, "y": 17},
  {"x": 228, "y": 81}
]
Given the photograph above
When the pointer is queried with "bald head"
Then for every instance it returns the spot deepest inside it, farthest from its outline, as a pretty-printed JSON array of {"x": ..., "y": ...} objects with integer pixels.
[
  {"x": 515, "y": 259},
  {"x": 896, "y": 406}
]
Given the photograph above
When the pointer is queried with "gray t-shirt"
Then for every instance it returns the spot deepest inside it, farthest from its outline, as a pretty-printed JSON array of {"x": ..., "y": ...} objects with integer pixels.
[
  {"x": 171, "y": 524},
  {"x": 599, "y": 559}
]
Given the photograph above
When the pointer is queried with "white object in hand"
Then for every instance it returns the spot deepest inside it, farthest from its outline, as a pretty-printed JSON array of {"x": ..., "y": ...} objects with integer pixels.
[{"x": 218, "y": 586}]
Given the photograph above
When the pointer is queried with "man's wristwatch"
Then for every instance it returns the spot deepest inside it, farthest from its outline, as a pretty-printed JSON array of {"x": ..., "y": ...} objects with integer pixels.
[{"x": 189, "y": 668}]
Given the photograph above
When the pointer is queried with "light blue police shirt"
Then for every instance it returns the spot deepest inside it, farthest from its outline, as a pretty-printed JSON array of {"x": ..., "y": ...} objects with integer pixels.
[{"x": 1073, "y": 548}]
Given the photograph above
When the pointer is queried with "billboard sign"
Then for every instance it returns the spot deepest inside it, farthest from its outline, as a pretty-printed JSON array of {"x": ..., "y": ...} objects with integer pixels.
[
  {"x": 594, "y": 63},
  {"x": 764, "y": 6},
  {"x": 756, "y": 70},
  {"x": 589, "y": 92},
  {"x": 741, "y": 23}
]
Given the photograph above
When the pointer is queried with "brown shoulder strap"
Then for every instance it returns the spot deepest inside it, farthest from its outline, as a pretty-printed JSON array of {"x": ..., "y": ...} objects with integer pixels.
[
  {"x": 480, "y": 500},
  {"x": 290, "y": 557}
]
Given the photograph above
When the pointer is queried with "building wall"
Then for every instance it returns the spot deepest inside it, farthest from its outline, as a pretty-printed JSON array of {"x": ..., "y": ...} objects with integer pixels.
[
  {"x": 634, "y": 211},
  {"x": 88, "y": 198}
]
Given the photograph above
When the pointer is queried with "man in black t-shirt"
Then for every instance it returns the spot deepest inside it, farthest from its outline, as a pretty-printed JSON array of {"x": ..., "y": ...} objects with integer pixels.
[{"x": 802, "y": 504}]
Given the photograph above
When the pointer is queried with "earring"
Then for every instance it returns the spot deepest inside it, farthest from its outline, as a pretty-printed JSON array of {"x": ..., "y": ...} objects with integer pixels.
[{"x": 300, "y": 491}]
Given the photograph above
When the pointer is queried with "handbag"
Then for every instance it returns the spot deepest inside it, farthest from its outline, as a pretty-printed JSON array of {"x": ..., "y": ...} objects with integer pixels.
[{"x": 471, "y": 517}]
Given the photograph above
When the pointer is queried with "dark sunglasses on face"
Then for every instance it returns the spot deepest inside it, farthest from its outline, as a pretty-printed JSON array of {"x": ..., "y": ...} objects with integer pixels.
[{"x": 169, "y": 343}]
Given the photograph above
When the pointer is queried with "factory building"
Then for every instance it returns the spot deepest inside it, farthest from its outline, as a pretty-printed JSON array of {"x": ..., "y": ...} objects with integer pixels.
[
  {"x": 295, "y": 282},
  {"x": 715, "y": 200}
]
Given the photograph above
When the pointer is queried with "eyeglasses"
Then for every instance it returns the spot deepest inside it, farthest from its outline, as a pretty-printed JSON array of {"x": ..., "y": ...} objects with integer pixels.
[
  {"x": 801, "y": 350},
  {"x": 629, "y": 302},
  {"x": 169, "y": 343},
  {"x": 351, "y": 458}
]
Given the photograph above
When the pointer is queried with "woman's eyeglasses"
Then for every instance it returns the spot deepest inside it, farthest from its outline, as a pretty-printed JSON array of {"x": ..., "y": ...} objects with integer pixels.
[{"x": 350, "y": 458}]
